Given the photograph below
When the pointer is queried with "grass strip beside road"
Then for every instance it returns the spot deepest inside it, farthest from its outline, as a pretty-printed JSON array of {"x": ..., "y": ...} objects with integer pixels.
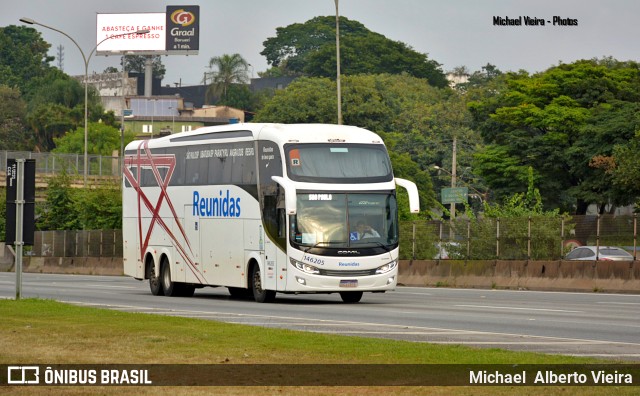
[{"x": 35, "y": 331}]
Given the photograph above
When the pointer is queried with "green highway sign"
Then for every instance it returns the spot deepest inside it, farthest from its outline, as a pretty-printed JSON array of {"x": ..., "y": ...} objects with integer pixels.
[{"x": 454, "y": 195}]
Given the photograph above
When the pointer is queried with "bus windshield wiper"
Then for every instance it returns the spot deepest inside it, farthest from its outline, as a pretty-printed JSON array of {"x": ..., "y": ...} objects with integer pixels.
[
  {"x": 323, "y": 242},
  {"x": 382, "y": 245}
]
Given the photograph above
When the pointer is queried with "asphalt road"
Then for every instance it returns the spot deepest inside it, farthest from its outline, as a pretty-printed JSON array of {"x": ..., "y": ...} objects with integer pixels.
[{"x": 580, "y": 324}]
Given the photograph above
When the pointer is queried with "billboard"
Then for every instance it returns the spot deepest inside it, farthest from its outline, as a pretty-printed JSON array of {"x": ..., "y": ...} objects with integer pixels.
[
  {"x": 176, "y": 31},
  {"x": 109, "y": 25},
  {"x": 183, "y": 28}
]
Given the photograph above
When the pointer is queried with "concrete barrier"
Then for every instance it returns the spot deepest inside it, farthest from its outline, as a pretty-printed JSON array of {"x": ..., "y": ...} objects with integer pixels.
[
  {"x": 589, "y": 276},
  {"x": 585, "y": 276},
  {"x": 69, "y": 265}
]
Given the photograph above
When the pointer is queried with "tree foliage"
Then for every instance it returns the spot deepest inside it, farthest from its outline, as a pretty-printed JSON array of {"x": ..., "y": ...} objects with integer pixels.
[
  {"x": 416, "y": 120},
  {"x": 137, "y": 64},
  {"x": 105, "y": 139},
  {"x": 523, "y": 222},
  {"x": 13, "y": 132},
  {"x": 59, "y": 211},
  {"x": 310, "y": 49},
  {"x": 225, "y": 71},
  {"x": 556, "y": 122},
  {"x": 67, "y": 208},
  {"x": 23, "y": 57}
]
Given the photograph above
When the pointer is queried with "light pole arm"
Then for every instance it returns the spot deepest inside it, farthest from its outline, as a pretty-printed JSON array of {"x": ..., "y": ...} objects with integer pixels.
[{"x": 30, "y": 21}]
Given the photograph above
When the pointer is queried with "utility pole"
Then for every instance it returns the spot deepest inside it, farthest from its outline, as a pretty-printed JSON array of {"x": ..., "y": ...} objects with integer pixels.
[
  {"x": 338, "y": 65},
  {"x": 453, "y": 174}
]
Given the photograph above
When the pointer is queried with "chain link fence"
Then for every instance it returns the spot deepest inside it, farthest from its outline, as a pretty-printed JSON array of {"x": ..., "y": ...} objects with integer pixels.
[
  {"x": 528, "y": 238},
  {"x": 97, "y": 243},
  {"x": 51, "y": 164}
]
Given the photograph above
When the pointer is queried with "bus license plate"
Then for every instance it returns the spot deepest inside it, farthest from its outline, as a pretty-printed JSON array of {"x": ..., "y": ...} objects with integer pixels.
[{"x": 349, "y": 283}]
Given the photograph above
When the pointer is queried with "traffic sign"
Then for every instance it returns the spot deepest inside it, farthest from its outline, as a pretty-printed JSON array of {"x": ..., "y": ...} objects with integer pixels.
[{"x": 454, "y": 195}]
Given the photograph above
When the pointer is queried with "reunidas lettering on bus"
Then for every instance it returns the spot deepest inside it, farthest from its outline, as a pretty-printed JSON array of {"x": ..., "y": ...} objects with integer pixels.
[{"x": 222, "y": 206}]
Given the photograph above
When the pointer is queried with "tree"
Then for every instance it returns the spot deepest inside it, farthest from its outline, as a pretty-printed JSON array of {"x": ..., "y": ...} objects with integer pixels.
[
  {"x": 59, "y": 211},
  {"x": 516, "y": 214},
  {"x": 406, "y": 111},
  {"x": 100, "y": 208},
  {"x": 226, "y": 70},
  {"x": 626, "y": 174},
  {"x": 13, "y": 134},
  {"x": 137, "y": 64},
  {"x": 67, "y": 208},
  {"x": 310, "y": 49},
  {"x": 23, "y": 56},
  {"x": 57, "y": 106},
  {"x": 556, "y": 122},
  {"x": 105, "y": 139},
  {"x": 49, "y": 121}
]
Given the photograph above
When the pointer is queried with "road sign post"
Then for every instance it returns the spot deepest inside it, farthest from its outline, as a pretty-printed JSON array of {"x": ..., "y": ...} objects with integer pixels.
[{"x": 21, "y": 176}]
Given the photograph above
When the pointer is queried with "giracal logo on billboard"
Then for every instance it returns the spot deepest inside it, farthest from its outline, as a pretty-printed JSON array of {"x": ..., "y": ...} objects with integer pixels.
[
  {"x": 183, "y": 27},
  {"x": 182, "y": 17}
]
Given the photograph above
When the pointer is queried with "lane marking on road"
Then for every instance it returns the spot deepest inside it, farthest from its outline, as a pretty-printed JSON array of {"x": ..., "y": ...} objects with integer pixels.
[
  {"x": 518, "y": 309},
  {"x": 269, "y": 319}
]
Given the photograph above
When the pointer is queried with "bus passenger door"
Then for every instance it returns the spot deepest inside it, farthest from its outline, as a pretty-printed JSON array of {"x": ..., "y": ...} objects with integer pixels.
[{"x": 275, "y": 260}]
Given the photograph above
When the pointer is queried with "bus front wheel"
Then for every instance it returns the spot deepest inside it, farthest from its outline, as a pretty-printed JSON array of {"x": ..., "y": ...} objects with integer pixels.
[
  {"x": 351, "y": 297},
  {"x": 259, "y": 294}
]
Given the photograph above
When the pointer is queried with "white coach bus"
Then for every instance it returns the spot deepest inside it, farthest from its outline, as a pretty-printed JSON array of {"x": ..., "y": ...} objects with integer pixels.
[{"x": 263, "y": 209}]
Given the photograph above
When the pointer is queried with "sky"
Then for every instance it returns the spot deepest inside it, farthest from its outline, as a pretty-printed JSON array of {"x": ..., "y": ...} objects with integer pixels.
[{"x": 453, "y": 33}]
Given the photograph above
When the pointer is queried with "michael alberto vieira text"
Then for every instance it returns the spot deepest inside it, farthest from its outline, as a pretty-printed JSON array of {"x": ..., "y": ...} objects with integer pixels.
[{"x": 549, "y": 377}]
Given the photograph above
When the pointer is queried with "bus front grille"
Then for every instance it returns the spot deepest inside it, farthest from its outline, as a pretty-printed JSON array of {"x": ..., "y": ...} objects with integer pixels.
[{"x": 347, "y": 273}]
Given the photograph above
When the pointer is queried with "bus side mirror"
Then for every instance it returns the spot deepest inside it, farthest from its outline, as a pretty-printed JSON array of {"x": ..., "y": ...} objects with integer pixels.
[
  {"x": 412, "y": 189},
  {"x": 290, "y": 198}
]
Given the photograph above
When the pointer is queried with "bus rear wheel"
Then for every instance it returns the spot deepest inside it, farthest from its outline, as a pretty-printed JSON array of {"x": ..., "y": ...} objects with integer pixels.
[
  {"x": 170, "y": 288},
  {"x": 259, "y": 294},
  {"x": 351, "y": 297},
  {"x": 154, "y": 281}
]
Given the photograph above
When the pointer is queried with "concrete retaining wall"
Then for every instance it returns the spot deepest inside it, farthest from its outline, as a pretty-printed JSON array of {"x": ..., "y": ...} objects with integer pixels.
[
  {"x": 588, "y": 276},
  {"x": 68, "y": 265},
  {"x": 619, "y": 277}
]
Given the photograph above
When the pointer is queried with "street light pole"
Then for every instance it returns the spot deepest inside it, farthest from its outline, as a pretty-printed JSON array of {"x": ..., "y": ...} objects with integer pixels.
[
  {"x": 86, "y": 78},
  {"x": 339, "y": 89},
  {"x": 453, "y": 174}
]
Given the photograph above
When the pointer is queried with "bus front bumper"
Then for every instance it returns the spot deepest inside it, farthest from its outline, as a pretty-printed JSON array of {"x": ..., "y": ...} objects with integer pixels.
[{"x": 308, "y": 283}]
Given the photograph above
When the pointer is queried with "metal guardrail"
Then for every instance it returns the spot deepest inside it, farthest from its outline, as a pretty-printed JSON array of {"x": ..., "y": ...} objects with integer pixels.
[{"x": 73, "y": 164}]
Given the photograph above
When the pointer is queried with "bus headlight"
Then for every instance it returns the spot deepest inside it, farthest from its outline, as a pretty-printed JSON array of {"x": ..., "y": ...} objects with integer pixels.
[
  {"x": 387, "y": 267},
  {"x": 304, "y": 267}
]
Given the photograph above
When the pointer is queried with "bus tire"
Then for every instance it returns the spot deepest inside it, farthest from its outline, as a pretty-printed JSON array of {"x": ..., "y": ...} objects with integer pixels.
[
  {"x": 154, "y": 280},
  {"x": 351, "y": 297},
  {"x": 259, "y": 294},
  {"x": 170, "y": 288}
]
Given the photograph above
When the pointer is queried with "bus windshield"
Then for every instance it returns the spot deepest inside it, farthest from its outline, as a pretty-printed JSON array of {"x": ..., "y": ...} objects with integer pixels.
[
  {"x": 338, "y": 220},
  {"x": 338, "y": 163}
]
